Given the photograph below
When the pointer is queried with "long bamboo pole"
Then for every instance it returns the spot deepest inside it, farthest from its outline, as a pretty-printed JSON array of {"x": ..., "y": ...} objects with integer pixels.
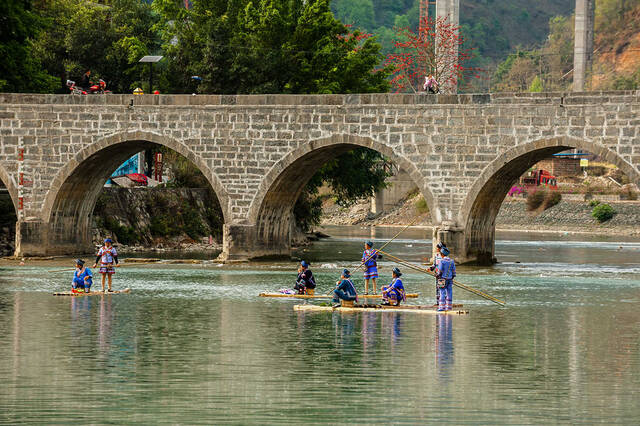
[
  {"x": 385, "y": 244},
  {"x": 121, "y": 264},
  {"x": 456, "y": 283},
  {"x": 380, "y": 249}
]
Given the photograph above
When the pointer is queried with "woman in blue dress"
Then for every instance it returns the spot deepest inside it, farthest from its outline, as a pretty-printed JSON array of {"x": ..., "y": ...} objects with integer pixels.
[
  {"x": 394, "y": 293},
  {"x": 82, "y": 278},
  {"x": 369, "y": 260}
]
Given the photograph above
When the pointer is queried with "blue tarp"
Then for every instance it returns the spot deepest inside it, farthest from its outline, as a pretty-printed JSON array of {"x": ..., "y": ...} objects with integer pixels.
[{"x": 128, "y": 167}]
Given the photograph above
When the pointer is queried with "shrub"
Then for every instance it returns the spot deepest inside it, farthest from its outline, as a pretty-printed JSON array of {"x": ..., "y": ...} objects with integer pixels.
[
  {"x": 543, "y": 199},
  {"x": 593, "y": 203},
  {"x": 421, "y": 206},
  {"x": 535, "y": 199},
  {"x": 603, "y": 212},
  {"x": 551, "y": 199}
]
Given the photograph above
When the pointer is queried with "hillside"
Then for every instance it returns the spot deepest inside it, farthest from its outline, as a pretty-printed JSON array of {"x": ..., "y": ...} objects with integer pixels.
[{"x": 494, "y": 28}]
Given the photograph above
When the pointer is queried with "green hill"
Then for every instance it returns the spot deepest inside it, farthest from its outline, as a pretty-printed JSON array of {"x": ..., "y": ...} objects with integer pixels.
[{"x": 494, "y": 28}]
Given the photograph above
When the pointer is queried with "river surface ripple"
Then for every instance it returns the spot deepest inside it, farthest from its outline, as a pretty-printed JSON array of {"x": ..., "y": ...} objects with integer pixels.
[{"x": 193, "y": 344}]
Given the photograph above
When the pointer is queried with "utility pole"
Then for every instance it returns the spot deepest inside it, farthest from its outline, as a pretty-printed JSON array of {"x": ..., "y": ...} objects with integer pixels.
[{"x": 583, "y": 45}]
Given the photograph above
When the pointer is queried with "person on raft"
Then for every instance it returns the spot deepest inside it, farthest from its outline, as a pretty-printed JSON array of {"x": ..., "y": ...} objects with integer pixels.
[
  {"x": 394, "y": 293},
  {"x": 107, "y": 256},
  {"x": 445, "y": 273},
  {"x": 369, "y": 260},
  {"x": 305, "y": 284},
  {"x": 82, "y": 278},
  {"x": 345, "y": 290},
  {"x": 436, "y": 261}
]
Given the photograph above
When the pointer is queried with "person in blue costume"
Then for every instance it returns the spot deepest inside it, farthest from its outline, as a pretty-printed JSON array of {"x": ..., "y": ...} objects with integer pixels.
[
  {"x": 436, "y": 261},
  {"x": 345, "y": 290},
  {"x": 370, "y": 261},
  {"x": 82, "y": 278},
  {"x": 394, "y": 293},
  {"x": 445, "y": 273},
  {"x": 305, "y": 280}
]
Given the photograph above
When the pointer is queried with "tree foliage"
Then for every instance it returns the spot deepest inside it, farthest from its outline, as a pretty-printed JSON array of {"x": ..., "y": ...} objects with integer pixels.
[
  {"x": 20, "y": 69},
  {"x": 437, "y": 49}
]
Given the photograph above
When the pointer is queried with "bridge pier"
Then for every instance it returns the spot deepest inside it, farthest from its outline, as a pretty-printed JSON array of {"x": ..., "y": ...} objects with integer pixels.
[
  {"x": 38, "y": 238},
  {"x": 454, "y": 238},
  {"x": 242, "y": 243}
]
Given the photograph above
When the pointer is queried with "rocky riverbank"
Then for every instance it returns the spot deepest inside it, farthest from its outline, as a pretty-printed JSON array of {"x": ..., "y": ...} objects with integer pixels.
[{"x": 568, "y": 216}]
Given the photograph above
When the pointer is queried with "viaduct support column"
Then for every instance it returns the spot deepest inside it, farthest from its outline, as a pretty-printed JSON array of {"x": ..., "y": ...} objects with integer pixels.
[
  {"x": 449, "y": 9},
  {"x": 583, "y": 45}
]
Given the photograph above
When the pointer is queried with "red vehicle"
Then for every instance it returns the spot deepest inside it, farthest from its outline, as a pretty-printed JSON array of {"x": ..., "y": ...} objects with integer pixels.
[
  {"x": 537, "y": 178},
  {"x": 98, "y": 88}
]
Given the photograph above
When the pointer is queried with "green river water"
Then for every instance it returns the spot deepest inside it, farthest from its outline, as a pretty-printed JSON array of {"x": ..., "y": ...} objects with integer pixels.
[{"x": 193, "y": 344}]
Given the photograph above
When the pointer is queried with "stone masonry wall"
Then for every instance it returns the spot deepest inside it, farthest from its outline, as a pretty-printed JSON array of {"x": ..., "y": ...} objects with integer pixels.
[{"x": 450, "y": 145}]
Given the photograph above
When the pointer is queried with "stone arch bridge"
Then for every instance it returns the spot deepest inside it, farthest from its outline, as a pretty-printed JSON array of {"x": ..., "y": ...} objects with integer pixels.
[{"x": 462, "y": 151}]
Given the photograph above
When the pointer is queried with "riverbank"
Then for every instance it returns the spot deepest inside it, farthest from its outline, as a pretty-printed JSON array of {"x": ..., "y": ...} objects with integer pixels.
[{"x": 566, "y": 216}]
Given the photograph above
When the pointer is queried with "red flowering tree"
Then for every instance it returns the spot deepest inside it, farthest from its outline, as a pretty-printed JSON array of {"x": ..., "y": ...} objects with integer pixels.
[{"x": 436, "y": 49}]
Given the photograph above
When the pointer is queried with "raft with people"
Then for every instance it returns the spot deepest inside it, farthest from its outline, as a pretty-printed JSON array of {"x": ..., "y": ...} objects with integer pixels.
[{"x": 419, "y": 309}]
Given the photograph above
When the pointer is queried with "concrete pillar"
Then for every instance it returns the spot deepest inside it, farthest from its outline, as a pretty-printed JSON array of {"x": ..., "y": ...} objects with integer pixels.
[
  {"x": 37, "y": 238},
  {"x": 583, "y": 43},
  {"x": 453, "y": 237},
  {"x": 377, "y": 201},
  {"x": 449, "y": 9},
  {"x": 243, "y": 242}
]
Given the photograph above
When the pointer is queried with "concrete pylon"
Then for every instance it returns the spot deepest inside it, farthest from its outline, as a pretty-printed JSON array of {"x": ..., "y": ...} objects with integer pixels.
[
  {"x": 583, "y": 43},
  {"x": 449, "y": 9}
]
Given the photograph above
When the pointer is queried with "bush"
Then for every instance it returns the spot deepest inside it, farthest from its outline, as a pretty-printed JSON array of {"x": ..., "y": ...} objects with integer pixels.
[
  {"x": 603, "y": 212},
  {"x": 551, "y": 199},
  {"x": 421, "y": 206},
  {"x": 542, "y": 199},
  {"x": 535, "y": 199},
  {"x": 593, "y": 203}
]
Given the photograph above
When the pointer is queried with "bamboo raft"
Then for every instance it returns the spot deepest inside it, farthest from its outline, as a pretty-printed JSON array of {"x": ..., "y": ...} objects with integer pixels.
[
  {"x": 415, "y": 309},
  {"x": 329, "y": 296},
  {"x": 92, "y": 293}
]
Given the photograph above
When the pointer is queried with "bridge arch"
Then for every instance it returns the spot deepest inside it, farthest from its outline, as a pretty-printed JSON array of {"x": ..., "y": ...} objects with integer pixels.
[
  {"x": 8, "y": 182},
  {"x": 68, "y": 206},
  {"x": 271, "y": 209},
  {"x": 482, "y": 202}
]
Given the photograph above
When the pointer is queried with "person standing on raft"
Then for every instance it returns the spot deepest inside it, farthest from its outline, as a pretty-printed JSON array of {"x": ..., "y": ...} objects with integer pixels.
[
  {"x": 436, "y": 261},
  {"x": 394, "y": 293},
  {"x": 445, "y": 273},
  {"x": 107, "y": 256},
  {"x": 345, "y": 290},
  {"x": 369, "y": 260},
  {"x": 82, "y": 278},
  {"x": 305, "y": 283}
]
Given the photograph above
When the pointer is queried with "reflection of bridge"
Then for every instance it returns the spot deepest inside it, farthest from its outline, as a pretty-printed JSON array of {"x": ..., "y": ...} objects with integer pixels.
[{"x": 462, "y": 151}]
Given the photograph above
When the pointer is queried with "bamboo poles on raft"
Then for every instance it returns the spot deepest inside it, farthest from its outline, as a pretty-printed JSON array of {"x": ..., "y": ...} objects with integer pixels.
[{"x": 456, "y": 283}]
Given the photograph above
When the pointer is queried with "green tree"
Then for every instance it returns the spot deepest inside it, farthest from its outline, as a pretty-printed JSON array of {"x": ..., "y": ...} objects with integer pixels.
[
  {"x": 107, "y": 37},
  {"x": 358, "y": 13},
  {"x": 20, "y": 70},
  {"x": 536, "y": 85}
]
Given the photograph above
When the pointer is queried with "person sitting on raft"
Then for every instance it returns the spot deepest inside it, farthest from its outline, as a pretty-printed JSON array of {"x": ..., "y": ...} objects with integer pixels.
[
  {"x": 369, "y": 260},
  {"x": 345, "y": 290},
  {"x": 445, "y": 273},
  {"x": 305, "y": 284},
  {"x": 82, "y": 278},
  {"x": 394, "y": 293}
]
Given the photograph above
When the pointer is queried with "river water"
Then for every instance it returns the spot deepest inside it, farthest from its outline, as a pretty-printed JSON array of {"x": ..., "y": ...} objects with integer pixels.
[{"x": 193, "y": 344}]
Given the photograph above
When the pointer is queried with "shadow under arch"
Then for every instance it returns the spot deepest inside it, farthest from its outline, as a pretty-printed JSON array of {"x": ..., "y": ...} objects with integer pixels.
[
  {"x": 69, "y": 204},
  {"x": 10, "y": 185},
  {"x": 482, "y": 203},
  {"x": 272, "y": 208}
]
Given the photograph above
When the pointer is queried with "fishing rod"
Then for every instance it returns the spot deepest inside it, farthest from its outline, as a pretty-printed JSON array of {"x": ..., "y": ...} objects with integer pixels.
[{"x": 456, "y": 283}]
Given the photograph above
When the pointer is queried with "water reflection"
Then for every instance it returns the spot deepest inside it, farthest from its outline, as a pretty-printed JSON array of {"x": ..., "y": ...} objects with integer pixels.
[{"x": 444, "y": 346}]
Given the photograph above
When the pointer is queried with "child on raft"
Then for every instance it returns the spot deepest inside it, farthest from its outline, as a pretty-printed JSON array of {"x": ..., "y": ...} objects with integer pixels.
[
  {"x": 82, "y": 278},
  {"x": 345, "y": 290},
  {"x": 107, "y": 256}
]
